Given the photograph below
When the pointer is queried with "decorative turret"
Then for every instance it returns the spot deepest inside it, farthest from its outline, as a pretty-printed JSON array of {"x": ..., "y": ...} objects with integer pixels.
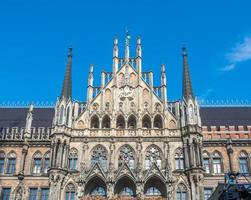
[
  {"x": 67, "y": 84},
  {"x": 163, "y": 83},
  {"x": 127, "y": 46},
  {"x": 90, "y": 85},
  {"x": 29, "y": 119},
  {"x": 139, "y": 56},
  {"x": 187, "y": 85},
  {"x": 115, "y": 56}
]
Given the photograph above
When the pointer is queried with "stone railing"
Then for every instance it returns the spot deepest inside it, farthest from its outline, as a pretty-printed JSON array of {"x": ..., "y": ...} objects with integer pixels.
[{"x": 16, "y": 133}]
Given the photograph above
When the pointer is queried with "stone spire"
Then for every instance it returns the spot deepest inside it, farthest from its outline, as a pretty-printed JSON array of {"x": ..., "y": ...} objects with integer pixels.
[
  {"x": 187, "y": 85},
  {"x": 66, "y": 90},
  {"x": 139, "y": 56}
]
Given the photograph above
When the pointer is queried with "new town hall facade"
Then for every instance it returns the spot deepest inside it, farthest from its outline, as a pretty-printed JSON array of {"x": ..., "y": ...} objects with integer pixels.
[{"x": 127, "y": 141}]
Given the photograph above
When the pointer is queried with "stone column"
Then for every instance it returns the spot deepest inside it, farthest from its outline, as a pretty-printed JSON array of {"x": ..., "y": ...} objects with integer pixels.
[{"x": 230, "y": 152}]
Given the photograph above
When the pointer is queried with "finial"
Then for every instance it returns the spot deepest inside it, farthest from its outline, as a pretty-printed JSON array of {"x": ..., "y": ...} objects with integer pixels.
[
  {"x": 31, "y": 108},
  {"x": 128, "y": 37},
  {"x": 163, "y": 68},
  {"x": 70, "y": 51},
  {"x": 115, "y": 41},
  {"x": 91, "y": 68},
  {"x": 184, "y": 50},
  {"x": 138, "y": 40}
]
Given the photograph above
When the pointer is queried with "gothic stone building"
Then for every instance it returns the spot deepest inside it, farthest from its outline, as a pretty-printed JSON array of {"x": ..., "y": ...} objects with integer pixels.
[{"x": 127, "y": 141}]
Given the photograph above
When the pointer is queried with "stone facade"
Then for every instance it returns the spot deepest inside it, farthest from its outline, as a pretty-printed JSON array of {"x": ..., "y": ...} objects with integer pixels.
[{"x": 127, "y": 141}]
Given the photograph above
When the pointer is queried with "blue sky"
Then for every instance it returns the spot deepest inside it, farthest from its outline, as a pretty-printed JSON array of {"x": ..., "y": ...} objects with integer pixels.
[{"x": 35, "y": 36}]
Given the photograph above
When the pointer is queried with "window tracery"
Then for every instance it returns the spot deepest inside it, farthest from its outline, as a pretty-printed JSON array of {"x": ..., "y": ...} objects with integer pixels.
[
  {"x": 72, "y": 158},
  {"x": 99, "y": 155},
  {"x": 126, "y": 155},
  {"x": 179, "y": 159},
  {"x": 37, "y": 163},
  {"x": 153, "y": 155}
]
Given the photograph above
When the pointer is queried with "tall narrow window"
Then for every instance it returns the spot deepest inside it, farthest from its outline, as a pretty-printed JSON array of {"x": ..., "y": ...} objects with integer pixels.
[
  {"x": 61, "y": 115},
  {"x": 6, "y": 193},
  {"x": 153, "y": 155},
  {"x": 37, "y": 163},
  {"x": 33, "y": 194},
  {"x": 99, "y": 155},
  {"x": 73, "y": 157},
  {"x": 243, "y": 161},
  {"x": 45, "y": 194},
  {"x": 132, "y": 122},
  {"x": 206, "y": 162},
  {"x": 126, "y": 155},
  {"x": 46, "y": 162},
  {"x": 95, "y": 122},
  {"x": 217, "y": 163},
  {"x": 70, "y": 192},
  {"x": 207, "y": 193},
  {"x": 106, "y": 122},
  {"x": 2, "y": 158},
  {"x": 158, "y": 122},
  {"x": 181, "y": 192},
  {"x": 11, "y": 168},
  {"x": 146, "y": 122},
  {"x": 179, "y": 159}
]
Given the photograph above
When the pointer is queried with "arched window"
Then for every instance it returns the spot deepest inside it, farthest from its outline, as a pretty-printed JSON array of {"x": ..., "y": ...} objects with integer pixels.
[
  {"x": 153, "y": 155},
  {"x": 106, "y": 122},
  {"x": 206, "y": 162},
  {"x": 98, "y": 191},
  {"x": 146, "y": 122},
  {"x": 67, "y": 116},
  {"x": 46, "y": 162},
  {"x": 179, "y": 159},
  {"x": 70, "y": 192},
  {"x": 126, "y": 155},
  {"x": 217, "y": 163},
  {"x": 132, "y": 122},
  {"x": 96, "y": 187},
  {"x": 181, "y": 192},
  {"x": 95, "y": 122},
  {"x": 37, "y": 163},
  {"x": 243, "y": 160},
  {"x": 155, "y": 187},
  {"x": 61, "y": 115},
  {"x": 125, "y": 187},
  {"x": 72, "y": 159},
  {"x": 99, "y": 155},
  {"x": 11, "y": 167},
  {"x": 2, "y": 158},
  {"x": 120, "y": 122},
  {"x": 158, "y": 122}
]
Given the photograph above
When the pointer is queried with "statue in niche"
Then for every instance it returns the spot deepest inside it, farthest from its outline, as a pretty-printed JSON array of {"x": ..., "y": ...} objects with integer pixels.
[
  {"x": 95, "y": 106},
  {"x": 107, "y": 106},
  {"x": 145, "y": 104},
  {"x": 157, "y": 107},
  {"x": 19, "y": 194}
]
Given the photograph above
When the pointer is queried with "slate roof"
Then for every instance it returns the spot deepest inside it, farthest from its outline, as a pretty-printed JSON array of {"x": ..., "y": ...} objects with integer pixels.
[
  {"x": 16, "y": 117},
  {"x": 225, "y": 116},
  {"x": 210, "y": 116}
]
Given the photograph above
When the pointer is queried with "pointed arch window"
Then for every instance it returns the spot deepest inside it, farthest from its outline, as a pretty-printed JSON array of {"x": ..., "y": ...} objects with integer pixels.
[
  {"x": 61, "y": 115},
  {"x": 126, "y": 191},
  {"x": 37, "y": 163},
  {"x": 153, "y": 191},
  {"x": 158, "y": 122},
  {"x": 181, "y": 192},
  {"x": 146, "y": 122},
  {"x": 95, "y": 122},
  {"x": 70, "y": 192},
  {"x": 126, "y": 155},
  {"x": 99, "y": 155},
  {"x": 98, "y": 191},
  {"x": 153, "y": 155},
  {"x": 2, "y": 159},
  {"x": 179, "y": 159},
  {"x": 67, "y": 116},
  {"x": 46, "y": 162},
  {"x": 72, "y": 159},
  {"x": 132, "y": 122},
  {"x": 217, "y": 163},
  {"x": 243, "y": 162},
  {"x": 11, "y": 167},
  {"x": 206, "y": 162},
  {"x": 120, "y": 122},
  {"x": 106, "y": 122}
]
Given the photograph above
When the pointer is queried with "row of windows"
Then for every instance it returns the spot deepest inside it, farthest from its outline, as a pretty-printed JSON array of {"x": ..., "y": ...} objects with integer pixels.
[
  {"x": 214, "y": 163},
  {"x": 131, "y": 122},
  {"x": 39, "y": 163},
  {"x": 126, "y": 155},
  {"x": 33, "y": 194}
]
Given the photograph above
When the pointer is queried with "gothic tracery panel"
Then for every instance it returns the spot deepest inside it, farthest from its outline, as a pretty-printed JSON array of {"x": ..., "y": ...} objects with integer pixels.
[
  {"x": 99, "y": 155},
  {"x": 126, "y": 155},
  {"x": 153, "y": 155}
]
